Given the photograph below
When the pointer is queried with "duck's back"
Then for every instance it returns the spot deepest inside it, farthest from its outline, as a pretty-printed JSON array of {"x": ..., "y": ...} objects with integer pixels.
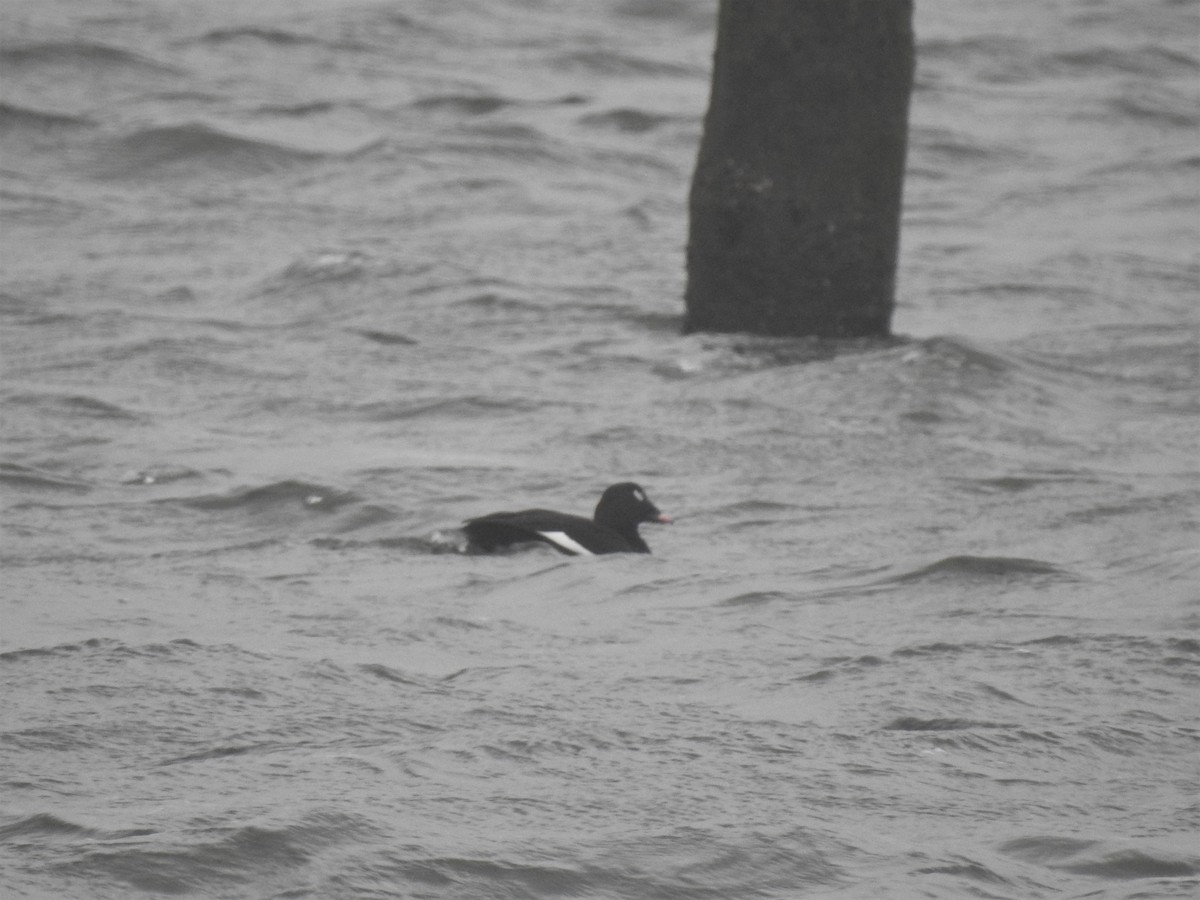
[{"x": 569, "y": 534}]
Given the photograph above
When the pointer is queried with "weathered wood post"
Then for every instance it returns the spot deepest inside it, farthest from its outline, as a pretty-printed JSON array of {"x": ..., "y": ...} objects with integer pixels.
[{"x": 795, "y": 202}]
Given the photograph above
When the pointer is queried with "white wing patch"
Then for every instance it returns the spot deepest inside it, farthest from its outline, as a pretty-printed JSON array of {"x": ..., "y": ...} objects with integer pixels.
[{"x": 560, "y": 539}]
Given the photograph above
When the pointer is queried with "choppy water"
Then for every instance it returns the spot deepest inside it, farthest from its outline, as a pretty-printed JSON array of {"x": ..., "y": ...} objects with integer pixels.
[{"x": 290, "y": 289}]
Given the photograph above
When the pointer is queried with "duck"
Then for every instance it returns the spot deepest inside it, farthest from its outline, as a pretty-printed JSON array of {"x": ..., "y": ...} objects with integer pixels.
[{"x": 613, "y": 527}]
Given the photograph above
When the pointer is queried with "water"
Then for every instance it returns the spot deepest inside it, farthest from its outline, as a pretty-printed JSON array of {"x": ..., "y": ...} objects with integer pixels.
[{"x": 291, "y": 289}]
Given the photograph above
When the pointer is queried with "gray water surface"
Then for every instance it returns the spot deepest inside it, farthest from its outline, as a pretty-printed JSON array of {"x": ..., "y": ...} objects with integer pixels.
[{"x": 289, "y": 290}]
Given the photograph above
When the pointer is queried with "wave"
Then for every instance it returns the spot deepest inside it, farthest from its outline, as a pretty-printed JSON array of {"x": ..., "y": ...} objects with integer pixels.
[
  {"x": 1146, "y": 60},
  {"x": 710, "y": 863},
  {"x": 1100, "y": 859},
  {"x": 438, "y": 543},
  {"x": 195, "y": 357},
  {"x": 698, "y": 15},
  {"x": 83, "y": 54},
  {"x": 757, "y": 598},
  {"x": 734, "y": 353},
  {"x": 101, "y": 646},
  {"x": 319, "y": 267},
  {"x": 741, "y": 508},
  {"x": 387, "y": 338},
  {"x": 218, "y": 753},
  {"x": 913, "y": 723},
  {"x": 177, "y": 149},
  {"x": 1016, "y": 484},
  {"x": 22, "y": 119},
  {"x": 293, "y": 494},
  {"x": 396, "y": 676},
  {"x": 472, "y": 406},
  {"x": 1174, "y": 652},
  {"x": 294, "y": 505},
  {"x": 607, "y": 62},
  {"x": 75, "y": 406},
  {"x": 44, "y": 825},
  {"x": 502, "y": 304},
  {"x": 25, "y": 478},
  {"x": 1003, "y": 59},
  {"x": 690, "y": 861},
  {"x": 469, "y": 104},
  {"x": 1016, "y": 398},
  {"x": 496, "y": 877},
  {"x": 275, "y": 36},
  {"x": 981, "y": 45},
  {"x": 41, "y": 207},
  {"x": 521, "y": 144},
  {"x": 950, "y": 147},
  {"x": 1158, "y": 108},
  {"x": 314, "y": 108},
  {"x": 973, "y": 870},
  {"x": 980, "y": 568},
  {"x": 244, "y": 857},
  {"x": 162, "y": 474},
  {"x": 26, "y": 307},
  {"x": 630, "y": 121},
  {"x": 1125, "y": 352}
]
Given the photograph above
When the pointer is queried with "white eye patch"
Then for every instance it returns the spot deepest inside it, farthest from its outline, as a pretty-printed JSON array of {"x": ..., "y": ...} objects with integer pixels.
[{"x": 639, "y": 496}]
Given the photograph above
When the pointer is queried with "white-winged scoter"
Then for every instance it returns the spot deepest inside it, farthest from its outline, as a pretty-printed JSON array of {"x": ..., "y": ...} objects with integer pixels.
[{"x": 613, "y": 528}]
